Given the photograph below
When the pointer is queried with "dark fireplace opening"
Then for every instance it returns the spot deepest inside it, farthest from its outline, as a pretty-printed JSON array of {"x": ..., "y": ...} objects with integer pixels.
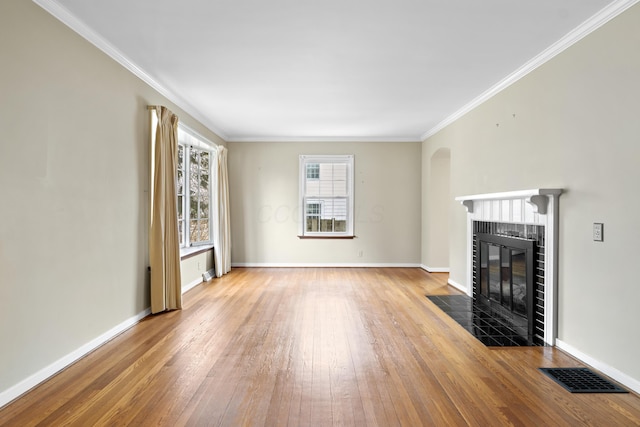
[
  {"x": 509, "y": 276},
  {"x": 506, "y": 285}
]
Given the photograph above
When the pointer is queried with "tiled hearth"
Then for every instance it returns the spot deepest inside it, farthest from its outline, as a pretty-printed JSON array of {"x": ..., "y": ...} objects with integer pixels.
[{"x": 479, "y": 320}]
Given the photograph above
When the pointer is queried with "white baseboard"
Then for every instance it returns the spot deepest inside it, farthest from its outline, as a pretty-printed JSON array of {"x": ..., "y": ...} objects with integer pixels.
[
  {"x": 322, "y": 265},
  {"x": 434, "y": 269},
  {"x": 609, "y": 371},
  {"x": 191, "y": 285},
  {"x": 27, "y": 384},
  {"x": 458, "y": 286}
]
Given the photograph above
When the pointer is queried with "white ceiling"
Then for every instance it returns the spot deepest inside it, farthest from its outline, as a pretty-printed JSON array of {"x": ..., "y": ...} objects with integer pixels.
[{"x": 330, "y": 69}]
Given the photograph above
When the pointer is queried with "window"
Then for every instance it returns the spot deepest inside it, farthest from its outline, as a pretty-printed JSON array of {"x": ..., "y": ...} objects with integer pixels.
[
  {"x": 313, "y": 171},
  {"x": 193, "y": 189},
  {"x": 194, "y": 185},
  {"x": 326, "y": 196}
]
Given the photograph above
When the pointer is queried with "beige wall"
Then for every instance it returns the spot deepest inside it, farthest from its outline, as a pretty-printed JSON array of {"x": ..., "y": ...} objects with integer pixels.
[
  {"x": 574, "y": 124},
  {"x": 73, "y": 191},
  {"x": 263, "y": 179},
  {"x": 192, "y": 268}
]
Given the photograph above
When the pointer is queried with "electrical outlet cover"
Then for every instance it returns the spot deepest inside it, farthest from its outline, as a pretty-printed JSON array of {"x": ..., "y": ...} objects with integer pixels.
[{"x": 597, "y": 232}]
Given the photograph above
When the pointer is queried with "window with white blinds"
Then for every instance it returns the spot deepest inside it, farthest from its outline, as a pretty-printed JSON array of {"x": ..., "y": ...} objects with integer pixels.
[{"x": 326, "y": 196}]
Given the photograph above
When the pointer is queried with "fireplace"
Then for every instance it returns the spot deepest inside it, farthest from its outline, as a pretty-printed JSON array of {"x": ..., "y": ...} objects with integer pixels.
[{"x": 512, "y": 257}]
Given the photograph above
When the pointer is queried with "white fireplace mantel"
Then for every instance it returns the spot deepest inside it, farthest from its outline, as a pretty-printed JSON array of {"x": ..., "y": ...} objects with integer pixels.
[
  {"x": 538, "y": 207},
  {"x": 537, "y": 198}
]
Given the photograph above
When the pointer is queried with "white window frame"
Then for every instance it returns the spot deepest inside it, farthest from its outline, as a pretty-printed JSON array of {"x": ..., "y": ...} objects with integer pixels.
[
  {"x": 182, "y": 206},
  {"x": 304, "y": 160},
  {"x": 188, "y": 139}
]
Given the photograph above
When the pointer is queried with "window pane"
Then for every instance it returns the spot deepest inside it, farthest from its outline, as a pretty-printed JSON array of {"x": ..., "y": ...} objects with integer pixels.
[
  {"x": 312, "y": 188},
  {"x": 194, "y": 157},
  {"x": 193, "y": 180},
  {"x": 339, "y": 180},
  {"x": 340, "y": 171},
  {"x": 204, "y": 210},
  {"x": 180, "y": 181},
  {"x": 335, "y": 208},
  {"x": 193, "y": 231},
  {"x": 313, "y": 208},
  {"x": 313, "y": 171},
  {"x": 193, "y": 207},
  {"x": 313, "y": 224},
  {"x": 204, "y": 160},
  {"x": 340, "y": 225},
  {"x": 180, "y": 207},
  {"x": 204, "y": 230},
  {"x": 180, "y": 232},
  {"x": 204, "y": 182},
  {"x": 326, "y": 188}
]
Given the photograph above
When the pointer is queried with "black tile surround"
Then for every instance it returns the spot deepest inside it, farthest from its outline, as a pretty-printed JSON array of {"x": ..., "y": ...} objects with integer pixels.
[
  {"x": 522, "y": 231},
  {"x": 478, "y": 320}
]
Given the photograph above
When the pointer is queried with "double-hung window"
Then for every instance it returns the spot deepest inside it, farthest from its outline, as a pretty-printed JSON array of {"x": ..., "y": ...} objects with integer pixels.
[
  {"x": 326, "y": 196},
  {"x": 194, "y": 187}
]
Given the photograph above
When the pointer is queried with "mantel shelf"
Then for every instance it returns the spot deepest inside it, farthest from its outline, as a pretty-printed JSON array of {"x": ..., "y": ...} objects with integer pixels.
[{"x": 537, "y": 197}]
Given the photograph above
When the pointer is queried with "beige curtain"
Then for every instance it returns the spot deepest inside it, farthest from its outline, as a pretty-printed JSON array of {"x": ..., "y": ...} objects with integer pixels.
[
  {"x": 221, "y": 224},
  {"x": 164, "y": 247}
]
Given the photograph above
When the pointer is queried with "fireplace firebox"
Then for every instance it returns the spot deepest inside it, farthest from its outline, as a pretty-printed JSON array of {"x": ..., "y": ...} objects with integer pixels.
[{"x": 506, "y": 280}]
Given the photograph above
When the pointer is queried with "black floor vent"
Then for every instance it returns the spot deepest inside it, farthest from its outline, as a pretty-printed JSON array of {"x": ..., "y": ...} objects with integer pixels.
[{"x": 582, "y": 380}]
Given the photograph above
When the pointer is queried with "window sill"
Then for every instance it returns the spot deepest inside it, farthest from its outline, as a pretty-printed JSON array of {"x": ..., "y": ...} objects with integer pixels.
[
  {"x": 326, "y": 237},
  {"x": 193, "y": 251}
]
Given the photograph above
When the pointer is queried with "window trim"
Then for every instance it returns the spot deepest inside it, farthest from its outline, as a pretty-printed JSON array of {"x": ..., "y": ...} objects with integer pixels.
[
  {"x": 188, "y": 138},
  {"x": 302, "y": 174}
]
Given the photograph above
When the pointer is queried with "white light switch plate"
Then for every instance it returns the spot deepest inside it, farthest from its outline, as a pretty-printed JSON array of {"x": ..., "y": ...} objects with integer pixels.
[{"x": 597, "y": 232}]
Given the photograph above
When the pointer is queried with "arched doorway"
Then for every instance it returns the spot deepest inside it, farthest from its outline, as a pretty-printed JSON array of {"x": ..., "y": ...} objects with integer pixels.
[{"x": 438, "y": 203}]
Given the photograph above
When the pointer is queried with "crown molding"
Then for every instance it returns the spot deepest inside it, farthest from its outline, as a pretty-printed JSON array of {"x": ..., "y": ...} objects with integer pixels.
[
  {"x": 323, "y": 139},
  {"x": 571, "y": 38},
  {"x": 70, "y": 20}
]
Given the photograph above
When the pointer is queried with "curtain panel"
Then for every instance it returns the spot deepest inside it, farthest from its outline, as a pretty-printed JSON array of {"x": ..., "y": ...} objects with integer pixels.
[
  {"x": 164, "y": 246},
  {"x": 221, "y": 223}
]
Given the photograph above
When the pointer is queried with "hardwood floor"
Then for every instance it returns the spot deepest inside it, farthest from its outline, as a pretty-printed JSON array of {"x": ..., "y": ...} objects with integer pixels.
[{"x": 313, "y": 347}]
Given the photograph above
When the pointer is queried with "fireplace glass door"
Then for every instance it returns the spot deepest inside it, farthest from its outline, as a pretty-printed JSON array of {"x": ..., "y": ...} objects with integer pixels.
[
  {"x": 519, "y": 281},
  {"x": 505, "y": 272},
  {"x": 494, "y": 272},
  {"x": 499, "y": 280}
]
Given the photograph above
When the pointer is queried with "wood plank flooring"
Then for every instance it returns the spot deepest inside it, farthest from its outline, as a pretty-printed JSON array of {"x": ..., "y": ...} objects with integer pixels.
[{"x": 313, "y": 347}]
